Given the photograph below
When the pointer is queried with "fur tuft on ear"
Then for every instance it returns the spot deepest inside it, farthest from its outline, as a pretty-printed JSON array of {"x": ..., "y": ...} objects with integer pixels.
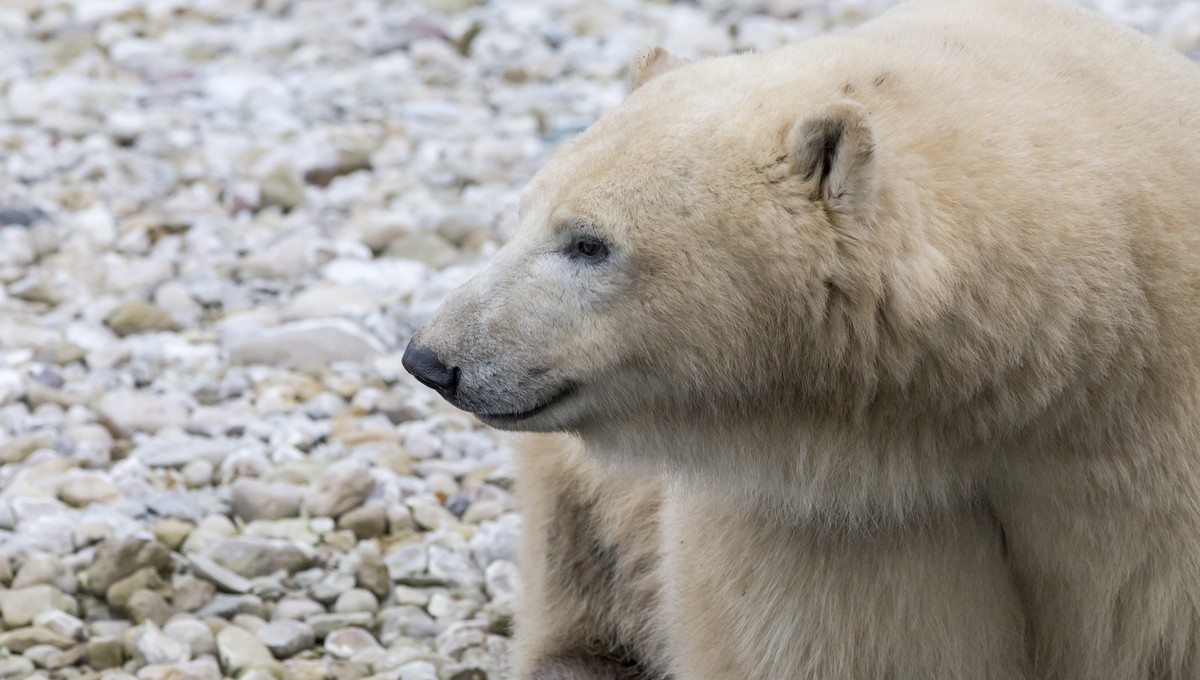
[
  {"x": 833, "y": 150},
  {"x": 649, "y": 63}
]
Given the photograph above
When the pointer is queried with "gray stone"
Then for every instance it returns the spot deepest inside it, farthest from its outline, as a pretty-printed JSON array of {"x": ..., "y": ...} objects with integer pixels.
[
  {"x": 19, "y": 606},
  {"x": 118, "y": 559},
  {"x": 151, "y": 645},
  {"x": 257, "y": 500},
  {"x": 105, "y": 652},
  {"x": 40, "y": 568},
  {"x": 60, "y": 622},
  {"x": 286, "y": 638},
  {"x": 406, "y": 621},
  {"x": 306, "y": 343},
  {"x": 223, "y": 578},
  {"x": 356, "y": 600},
  {"x": 81, "y": 491},
  {"x": 16, "y": 668},
  {"x": 198, "y": 637},
  {"x": 138, "y": 316},
  {"x": 147, "y": 605},
  {"x": 239, "y": 650},
  {"x": 353, "y": 643},
  {"x": 297, "y": 608},
  {"x": 331, "y": 586},
  {"x": 228, "y": 606},
  {"x": 324, "y": 624},
  {"x": 120, "y": 593},
  {"x": 193, "y": 593},
  {"x": 22, "y": 639},
  {"x": 250, "y": 557},
  {"x": 365, "y": 522},
  {"x": 342, "y": 486}
]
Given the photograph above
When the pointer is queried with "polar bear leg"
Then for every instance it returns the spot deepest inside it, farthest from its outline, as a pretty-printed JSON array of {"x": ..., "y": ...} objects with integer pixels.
[
  {"x": 753, "y": 597},
  {"x": 589, "y": 567}
]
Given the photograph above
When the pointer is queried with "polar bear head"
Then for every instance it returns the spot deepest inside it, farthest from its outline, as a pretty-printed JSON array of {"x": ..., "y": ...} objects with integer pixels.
[{"x": 678, "y": 260}]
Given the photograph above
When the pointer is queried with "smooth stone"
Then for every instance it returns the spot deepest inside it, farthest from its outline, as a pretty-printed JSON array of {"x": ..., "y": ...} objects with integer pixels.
[
  {"x": 343, "y": 486},
  {"x": 257, "y": 500},
  {"x": 20, "y": 606},
  {"x": 60, "y": 622},
  {"x": 366, "y": 522},
  {"x": 356, "y": 600},
  {"x": 120, "y": 593},
  {"x": 193, "y": 593},
  {"x": 152, "y": 646},
  {"x": 198, "y": 473},
  {"x": 323, "y": 624},
  {"x": 352, "y": 642},
  {"x": 286, "y": 638},
  {"x": 41, "y": 568},
  {"x": 172, "y": 532},
  {"x": 297, "y": 608},
  {"x": 331, "y": 587},
  {"x": 372, "y": 574},
  {"x": 18, "y": 449},
  {"x": 81, "y": 491},
  {"x": 16, "y": 668},
  {"x": 305, "y": 343},
  {"x": 239, "y": 650},
  {"x": 137, "y": 316},
  {"x": 147, "y": 605},
  {"x": 228, "y": 606},
  {"x": 223, "y": 578},
  {"x": 250, "y": 557},
  {"x": 21, "y": 639},
  {"x": 405, "y": 621},
  {"x": 198, "y": 637},
  {"x": 6, "y": 572}
]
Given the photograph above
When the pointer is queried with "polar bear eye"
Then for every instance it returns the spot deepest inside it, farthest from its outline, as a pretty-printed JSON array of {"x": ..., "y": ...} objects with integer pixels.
[{"x": 590, "y": 249}]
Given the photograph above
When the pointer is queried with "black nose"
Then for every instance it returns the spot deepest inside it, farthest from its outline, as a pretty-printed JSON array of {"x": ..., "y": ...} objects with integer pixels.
[{"x": 426, "y": 367}]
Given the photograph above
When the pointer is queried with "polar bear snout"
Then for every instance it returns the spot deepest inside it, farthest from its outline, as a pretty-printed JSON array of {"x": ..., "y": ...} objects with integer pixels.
[{"x": 424, "y": 365}]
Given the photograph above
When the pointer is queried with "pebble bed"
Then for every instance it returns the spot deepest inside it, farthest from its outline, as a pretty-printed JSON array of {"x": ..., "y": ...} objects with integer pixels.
[{"x": 219, "y": 222}]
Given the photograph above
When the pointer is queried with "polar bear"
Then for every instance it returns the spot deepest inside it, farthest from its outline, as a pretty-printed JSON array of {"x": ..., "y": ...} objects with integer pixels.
[{"x": 873, "y": 357}]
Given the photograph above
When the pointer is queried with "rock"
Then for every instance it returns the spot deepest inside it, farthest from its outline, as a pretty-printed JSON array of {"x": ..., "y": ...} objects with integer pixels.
[
  {"x": 105, "y": 652},
  {"x": 239, "y": 650},
  {"x": 282, "y": 187},
  {"x": 356, "y": 600},
  {"x": 198, "y": 473},
  {"x": 15, "y": 668},
  {"x": 42, "y": 568},
  {"x": 305, "y": 343},
  {"x": 423, "y": 246},
  {"x": 20, "y": 448},
  {"x": 228, "y": 606},
  {"x": 258, "y": 500},
  {"x": 193, "y": 593},
  {"x": 60, "y": 622},
  {"x": 297, "y": 608},
  {"x": 22, "y": 639},
  {"x": 366, "y": 522},
  {"x": 151, "y": 645},
  {"x": 430, "y": 515},
  {"x": 132, "y": 411},
  {"x": 198, "y": 637},
  {"x": 120, "y": 593},
  {"x": 19, "y": 606},
  {"x": 406, "y": 621},
  {"x": 250, "y": 557},
  {"x": 331, "y": 586},
  {"x": 223, "y": 578},
  {"x": 6, "y": 574},
  {"x": 81, "y": 491},
  {"x": 147, "y": 605},
  {"x": 343, "y": 485},
  {"x": 137, "y": 316},
  {"x": 324, "y": 624},
  {"x": 171, "y": 532},
  {"x": 353, "y": 643},
  {"x": 286, "y": 638},
  {"x": 372, "y": 574}
]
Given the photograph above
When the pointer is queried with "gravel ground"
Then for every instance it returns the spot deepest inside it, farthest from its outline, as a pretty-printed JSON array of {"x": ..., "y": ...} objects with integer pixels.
[{"x": 219, "y": 221}]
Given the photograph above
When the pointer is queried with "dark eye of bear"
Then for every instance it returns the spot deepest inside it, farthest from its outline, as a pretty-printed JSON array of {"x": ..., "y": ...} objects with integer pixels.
[{"x": 591, "y": 249}]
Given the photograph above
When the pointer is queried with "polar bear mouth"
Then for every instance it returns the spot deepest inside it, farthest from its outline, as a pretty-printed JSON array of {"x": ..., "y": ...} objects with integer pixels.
[{"x": 498, "y": 418}]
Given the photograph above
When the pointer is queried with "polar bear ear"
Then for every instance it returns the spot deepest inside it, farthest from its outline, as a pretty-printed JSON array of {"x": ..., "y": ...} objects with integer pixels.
[
  {"x": 833, "y": 151},
  {"x": 651, "y": 62}
]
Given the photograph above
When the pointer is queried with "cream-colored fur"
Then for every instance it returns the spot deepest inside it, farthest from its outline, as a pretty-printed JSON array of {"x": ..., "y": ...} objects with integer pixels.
[{"x": 898, "y": 332}]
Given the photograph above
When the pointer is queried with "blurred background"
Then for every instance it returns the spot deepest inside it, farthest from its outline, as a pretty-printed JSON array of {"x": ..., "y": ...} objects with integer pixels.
[{"x": 219, "y": 222}]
